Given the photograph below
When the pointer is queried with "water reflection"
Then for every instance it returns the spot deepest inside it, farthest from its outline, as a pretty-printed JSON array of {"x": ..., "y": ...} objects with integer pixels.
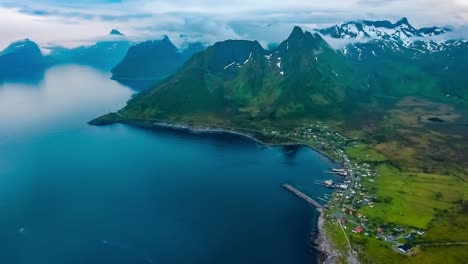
[
  {"x": 30, "y": 79},
  {"x": 75, "y": 92},
  {"x": 139, "y": 85},
  {"x": 290, "y": 153}
]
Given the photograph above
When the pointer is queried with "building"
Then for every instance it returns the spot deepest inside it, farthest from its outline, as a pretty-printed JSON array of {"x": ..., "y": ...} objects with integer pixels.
[
  {"x": 358, "y": 229},
  {"x": 380, "y": 230},
  {"x": 404, "y": 248}
]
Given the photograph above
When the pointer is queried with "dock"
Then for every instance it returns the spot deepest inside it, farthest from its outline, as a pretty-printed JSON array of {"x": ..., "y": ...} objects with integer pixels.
[
  {"x": 340, "y": 172},
  {"x": 304, "y": 196},
  {"x": 333, "y": 186}
]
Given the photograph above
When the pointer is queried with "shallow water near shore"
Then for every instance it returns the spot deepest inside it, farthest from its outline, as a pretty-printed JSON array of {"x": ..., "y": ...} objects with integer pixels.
[{"x": 74, "y": 193}]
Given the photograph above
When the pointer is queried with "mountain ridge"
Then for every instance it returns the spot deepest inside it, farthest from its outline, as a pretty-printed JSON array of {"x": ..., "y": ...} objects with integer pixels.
[
  {"x": 383, "y": 29},
  {"x": 240, "y": 80},
  {"x": 102, "y": 55}
]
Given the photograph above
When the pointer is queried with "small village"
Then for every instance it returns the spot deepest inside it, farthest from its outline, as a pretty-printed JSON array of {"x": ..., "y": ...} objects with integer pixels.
[{"x": 352, "y": 193}]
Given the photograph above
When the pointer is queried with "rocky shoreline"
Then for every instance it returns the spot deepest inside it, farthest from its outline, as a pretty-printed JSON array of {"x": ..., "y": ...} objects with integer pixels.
[
  {"x": 327, "y": 254},
  {"x": 114, "y": 118}
]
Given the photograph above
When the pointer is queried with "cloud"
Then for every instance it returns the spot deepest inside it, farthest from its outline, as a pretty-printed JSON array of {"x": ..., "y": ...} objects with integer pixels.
[
  {"x": 75, "y": 22},
  {"x": 340, "y": 43},
  {"x": 82, "y": 14}
]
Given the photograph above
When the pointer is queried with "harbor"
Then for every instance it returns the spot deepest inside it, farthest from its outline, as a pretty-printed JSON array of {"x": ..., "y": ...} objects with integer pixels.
[{"x": 330, "y": 184}]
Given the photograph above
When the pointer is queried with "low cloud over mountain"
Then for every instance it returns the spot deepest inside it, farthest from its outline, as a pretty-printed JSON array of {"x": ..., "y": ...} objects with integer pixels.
[{"x": 72, "y": 23}]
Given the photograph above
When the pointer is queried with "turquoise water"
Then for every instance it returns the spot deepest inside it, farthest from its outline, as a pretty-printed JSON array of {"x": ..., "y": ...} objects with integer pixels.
[{"x": 74, "y": 193}]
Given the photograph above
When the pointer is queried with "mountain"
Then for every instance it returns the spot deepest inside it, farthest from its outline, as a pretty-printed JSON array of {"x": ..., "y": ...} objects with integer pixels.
[
  {"x": 239, "y": 82},
  {"x": 408, "y": 51},
  {"x": 397, "y": 37},
  {"x": 21, "y": 61},
  {"x": 116, "y": 32},
  {"x": 151, "y": 61},
  {"x": 433, "y": 31},
  {"x": 401, "y": 31},
  {"x": 103, "y": 55}
]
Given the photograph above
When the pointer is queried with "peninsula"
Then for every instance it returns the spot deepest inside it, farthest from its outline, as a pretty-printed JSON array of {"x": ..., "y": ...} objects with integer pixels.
[{"x": 405, "y": 181}]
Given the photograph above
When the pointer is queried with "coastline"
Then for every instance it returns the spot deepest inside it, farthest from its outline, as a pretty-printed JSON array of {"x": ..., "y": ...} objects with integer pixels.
[
  {"x": 322, "y": 242},
  {"x": 197, "y": 129}
]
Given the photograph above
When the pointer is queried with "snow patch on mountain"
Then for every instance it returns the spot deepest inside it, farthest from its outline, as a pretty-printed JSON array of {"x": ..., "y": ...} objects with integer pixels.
[
  {"x": 248, "y": 59},
  {"x": 394, "y": 36},
  {"x": 229, "y": 65}
]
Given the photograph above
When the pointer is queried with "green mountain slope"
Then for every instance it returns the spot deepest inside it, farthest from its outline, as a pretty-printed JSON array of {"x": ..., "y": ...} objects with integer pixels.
[
  {"x": 401, "y": 60},
  {"x": 240, "y": 80}
]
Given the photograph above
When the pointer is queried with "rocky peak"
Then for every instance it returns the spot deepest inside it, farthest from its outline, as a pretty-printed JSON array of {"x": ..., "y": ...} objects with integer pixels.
[{"x": 116, "y": 32}]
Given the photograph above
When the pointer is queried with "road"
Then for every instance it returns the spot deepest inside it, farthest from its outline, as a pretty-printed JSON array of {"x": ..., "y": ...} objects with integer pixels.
[
  {"x": 445, "y": 244},
  {"x": 346, "y": 236},
  {"x": 212, "y": 125}
]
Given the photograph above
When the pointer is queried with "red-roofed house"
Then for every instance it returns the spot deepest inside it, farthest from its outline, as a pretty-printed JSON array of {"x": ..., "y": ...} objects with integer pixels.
[
  {"x": 351, "y": 212},
  {"x": 359, "y": 229},
  {"x": 380, "y": 230},
  {"x": 343, "y": 221}
]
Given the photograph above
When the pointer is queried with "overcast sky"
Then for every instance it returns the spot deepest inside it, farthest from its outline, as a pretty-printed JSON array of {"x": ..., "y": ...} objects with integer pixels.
[{"x": 73, "y": 22}]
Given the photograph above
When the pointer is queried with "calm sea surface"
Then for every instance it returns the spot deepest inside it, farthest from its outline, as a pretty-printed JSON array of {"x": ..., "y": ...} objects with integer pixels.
[{"x": 74, "y": 193}]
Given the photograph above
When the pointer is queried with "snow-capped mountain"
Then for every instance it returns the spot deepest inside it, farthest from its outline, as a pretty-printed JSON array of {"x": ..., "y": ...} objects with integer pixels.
[
  {"x": 384, "y": 30},
  {"x": 374, "y": 38}
]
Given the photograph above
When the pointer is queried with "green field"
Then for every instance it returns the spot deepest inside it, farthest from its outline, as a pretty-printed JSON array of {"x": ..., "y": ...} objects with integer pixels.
[
  {"x": 337, "y": 237},
  {"x": 413, "y": 199},
  {"x": 377, "y": 251},
  {"x": 363, "y": 153}
]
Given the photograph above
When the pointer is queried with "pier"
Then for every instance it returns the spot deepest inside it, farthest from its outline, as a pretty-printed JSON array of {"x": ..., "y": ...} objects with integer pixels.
[
  {"x": 304, "y": 196},
  {"x": 333, "y": 186}
]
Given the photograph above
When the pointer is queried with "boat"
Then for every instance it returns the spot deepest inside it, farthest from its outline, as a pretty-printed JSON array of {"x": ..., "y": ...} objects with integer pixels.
[{"x": 321, "y": 199}]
